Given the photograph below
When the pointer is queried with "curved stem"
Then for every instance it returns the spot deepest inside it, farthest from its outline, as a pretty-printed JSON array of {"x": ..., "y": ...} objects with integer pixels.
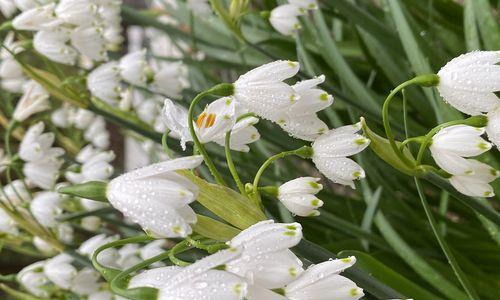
[
  {"x": 8, "y": 133},
  {"x": 197, "y": 143},
  {"x": 182, "y": 246},
  {"x": 430, "y": 79},
  {"x": 164, "y": 143},
  {"x": 303, "y": 151},
  {"x": 229, "y": 158},
  {"x": 417, "y": 139},
  {"x": 469, "y": 289}
]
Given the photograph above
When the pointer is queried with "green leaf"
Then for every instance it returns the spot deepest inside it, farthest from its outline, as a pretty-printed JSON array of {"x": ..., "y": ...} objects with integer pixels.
[
  {"x": 383, "y": 149},
  {"x": 418, "y": 60},
  {"x": 470, "y": 26},
  {"x": 227, "y": 204},
  {"x": 395, "y": 280},
  {"x": 488, "y": 26},
  {"x": 213, "y": 229}
]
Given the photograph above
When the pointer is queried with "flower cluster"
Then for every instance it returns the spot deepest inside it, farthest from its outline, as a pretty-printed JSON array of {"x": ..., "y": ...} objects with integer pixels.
[
  {"x": 284, "y": 18},
  {"x": 72, "y": 30}
]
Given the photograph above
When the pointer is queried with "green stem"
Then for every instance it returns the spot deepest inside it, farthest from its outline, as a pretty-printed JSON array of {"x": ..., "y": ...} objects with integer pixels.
[
  {"x": 164, "y": 143},
  {"x": 477, "y": 121},
  {"x": 223, "y": 89},
  {"x": 8, "y": 133},
  {"x": 469, "y": 289},
  {"x": 303, "y": 152},
  {"x": 229, "y": 158},
  {"x": 182, "y": 246},
  {"x": 430, "y": 79}
]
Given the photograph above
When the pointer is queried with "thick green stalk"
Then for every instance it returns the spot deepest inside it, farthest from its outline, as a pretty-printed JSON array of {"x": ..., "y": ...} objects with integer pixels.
[{"x": 469, "y": 289}]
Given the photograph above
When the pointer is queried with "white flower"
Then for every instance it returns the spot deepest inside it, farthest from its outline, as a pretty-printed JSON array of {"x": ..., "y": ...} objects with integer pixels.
[
  {"x": 82, "y": 118},
  {"x": 53, "y": 44},
  {"x": 27, "y": 4},
  {"x": 196, "y": 281},
  {"x": 45, "y": 207},
  {"x": 300, "y": 119},
  {"x": 242, "y": 134},
  {"x": 175, "y": 117},
  {"x": 42, "y": 163},
  {"x": 8, "y": 8},
  {"x": 95, "y": 165},
  {"x": 152, "y": 249},
  {"x": 304, "y": 4},
  {"x": 91, "y": 223},
  {"x": 468, "y": 82},
  {"x": 7, "y": 225},
  {"x": 43, "y": 173},
  {"x": 90, "y": 42},
  {"x": 37, "y": 145},
  {"x": 476, "y": 182},
  {"x": 266, "y": 259},
  {"x": 35, "y": 99},
  {"x": 157, "y": 197},
  {"x": 298, "y": 196},
  {"x": 4, "y": 160},
  {"x": 284, "y": 19},
  {"x": 64, "y": 232},
  {"x": 97, "y": 134},
  {"x": 60, "y": 271},
  {"x": 322, "y": 277},
  {"x": 85, "y": 282},
  {"x": 451, "y": 144},
  {"x": 330, "y": 153},
  {"x": 170, "y": 78},
  {"x": 263, "y": 91},
  {"x": 216, "y": 119},
  {"x": 104, "y": 82},
  {"x": 34, "y": 280},
  {"x": 493, "y": 127},
  {"x": 36, "y": 18},
  {"x": 77, "y": 12},
  {"x": 43, "y": 246},
  {"x": 128, "y": 256},
  {"x": 15, "y": 193},
  {"x": 135, "y": 69},
  {"x": 89, "y": 246},
  {"x": 61, "y": 117}
]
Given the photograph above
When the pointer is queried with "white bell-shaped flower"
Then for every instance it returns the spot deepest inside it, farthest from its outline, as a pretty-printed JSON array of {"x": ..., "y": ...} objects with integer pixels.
[
  {"x": 170, "y": 78},
  {"x": 468, "y": 82},
  {"x": 15, "y": 193},
  {"x": 35, "y": 99},
  {"x": 43, "y": 173},
  {"x": 7, "y": 225},
  {"x": 8, "y": 8},
  {"x": 43, "y": 246},
  {"x": 52, "y": 43},
  {"x": 82, "y": 118},
  {"x": 300, "y": 120},
  {"x": 85, "y": 282},
  {"x": 37, "y": 145},
  {"x": 45, "y": 207},
  {"x": 89, "y": 246},
  {"x": 451, "y": 144},
  {"x": 34, "y": 280},
  {"x": 97, "y": 134},
  {"x": 196, "y": 281},
  {"x": 284, "y": 18},
  {"x": 61, "y": 117},
  {"x": 36, "y": 18},
  {"x": 135, "y": 69},
  {"x": 89, "y": 41},
  {"x": 104, "y": 82},
  {"x": 298, "y": 196},
  {"x": 330, "y": 153},
  {"x": 77, "y": 12},
  {"x": 216, "y": 120},
  {"x": 317, "y": 279},
  {"x": 263, "y": 91},
  {"x": 157, "y": 198},
  {"x": 493, "y": 126},
  {"x": 91, "y": 223},
  {"x": 60, "y": 270},
  {"x": 476, "y": 182},
  {"x": 266, "y": 259},
  {"x": 242, "y": 134},
  {"x": 304, "y": 4},
  {"x": 95, "y": 165},
  {"x": 152, "y": 249}
]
